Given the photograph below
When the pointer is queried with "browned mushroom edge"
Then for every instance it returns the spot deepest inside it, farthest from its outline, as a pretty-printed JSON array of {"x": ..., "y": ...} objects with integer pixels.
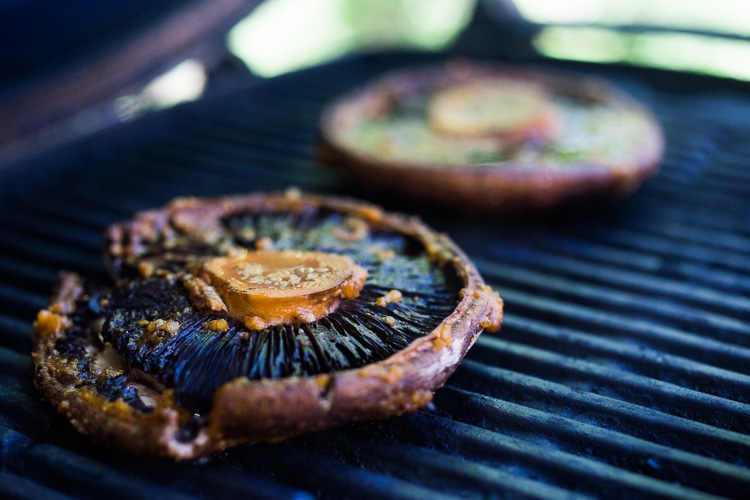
[
  {"x": 262, "y": 410},
  {"x": 491, "y": 188}
]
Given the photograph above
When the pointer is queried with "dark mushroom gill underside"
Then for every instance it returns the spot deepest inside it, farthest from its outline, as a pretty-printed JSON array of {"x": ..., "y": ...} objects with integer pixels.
[{"x": 155, "y": 328}]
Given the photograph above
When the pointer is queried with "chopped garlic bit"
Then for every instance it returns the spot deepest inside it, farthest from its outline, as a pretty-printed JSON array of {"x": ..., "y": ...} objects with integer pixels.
[
  {"x": 246, "y": 233},
  {"x": 50, "y": 323},
  {"x": 352, "y": 229},
  {"x": 161, "y": 325},
  {"x": 146, "y": 269},
  {"x": 217, "y": 325},
  {"x": 264, "y": 243},
  {"x": 385, "y": 254},
  {"x": 389, "y": 298},
  {"x": 388, "y": 320}
]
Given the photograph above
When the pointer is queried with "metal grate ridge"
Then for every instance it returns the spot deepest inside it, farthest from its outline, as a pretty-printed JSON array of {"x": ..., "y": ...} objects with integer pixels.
[{"x": 617, "y": 382}]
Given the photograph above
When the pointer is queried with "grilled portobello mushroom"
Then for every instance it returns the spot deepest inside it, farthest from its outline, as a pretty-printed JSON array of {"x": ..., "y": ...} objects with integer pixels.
[
  {"x": 256, "y": 318},
  {"x": 491, "y": 138}
]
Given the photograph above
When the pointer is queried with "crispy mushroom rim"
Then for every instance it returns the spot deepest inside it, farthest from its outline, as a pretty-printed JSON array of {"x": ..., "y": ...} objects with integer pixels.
[
  {"x": 532, "y": 173},
  {"x": 73, "y": 366}
]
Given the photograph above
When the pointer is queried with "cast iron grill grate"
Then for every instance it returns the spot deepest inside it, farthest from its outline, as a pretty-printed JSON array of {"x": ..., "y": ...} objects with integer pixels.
[{"x": 622, "y": 369}]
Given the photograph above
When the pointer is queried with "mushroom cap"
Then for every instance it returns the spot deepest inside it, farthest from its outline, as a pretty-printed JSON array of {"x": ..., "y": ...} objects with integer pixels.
[
  {"x": 85, "y": 369},
  {"x": 592, "y": 141}
]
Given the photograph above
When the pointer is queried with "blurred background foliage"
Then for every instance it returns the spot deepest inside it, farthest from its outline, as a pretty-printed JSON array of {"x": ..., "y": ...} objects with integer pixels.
[
  {"x": 694, "y": 35},
  {"x": 284, "y": 35}
]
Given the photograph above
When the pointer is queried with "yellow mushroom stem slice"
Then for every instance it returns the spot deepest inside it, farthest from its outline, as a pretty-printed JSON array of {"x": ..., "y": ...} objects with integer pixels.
[
  {"x": 503, "y": 108},
  {"x": 266, "y": 288}
]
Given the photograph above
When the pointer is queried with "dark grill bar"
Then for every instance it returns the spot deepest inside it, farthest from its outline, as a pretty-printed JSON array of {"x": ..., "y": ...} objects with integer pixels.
[{"x": 622, "y": 369}]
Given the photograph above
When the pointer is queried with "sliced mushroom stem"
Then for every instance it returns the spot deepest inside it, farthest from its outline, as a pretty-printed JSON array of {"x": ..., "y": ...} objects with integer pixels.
[{"x": 267, "y": 288}]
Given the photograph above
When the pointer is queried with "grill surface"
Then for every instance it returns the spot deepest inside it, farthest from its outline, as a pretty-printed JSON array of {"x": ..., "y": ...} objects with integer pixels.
[{"x": 622, "y": 369}]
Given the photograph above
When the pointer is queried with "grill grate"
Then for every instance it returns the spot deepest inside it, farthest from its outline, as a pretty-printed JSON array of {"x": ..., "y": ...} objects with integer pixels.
[{"x": 622, "y": 369}]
